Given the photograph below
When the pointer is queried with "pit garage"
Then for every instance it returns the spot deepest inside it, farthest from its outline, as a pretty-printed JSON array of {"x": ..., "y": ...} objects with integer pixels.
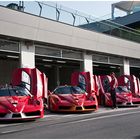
[
  {"x": 135, "y": 67},
  {"x": 104, "y": 64},
  {"x": 58, "y": 64},
  {"x": 9, "y": 59}
]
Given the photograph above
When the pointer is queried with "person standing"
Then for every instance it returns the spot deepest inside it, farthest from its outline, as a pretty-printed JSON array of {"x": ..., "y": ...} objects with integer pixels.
[{"x": 113, "y": 86}]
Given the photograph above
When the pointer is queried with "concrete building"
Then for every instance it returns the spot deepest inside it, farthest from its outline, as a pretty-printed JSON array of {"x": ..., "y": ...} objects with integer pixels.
[{"x": 58, "y": 49}]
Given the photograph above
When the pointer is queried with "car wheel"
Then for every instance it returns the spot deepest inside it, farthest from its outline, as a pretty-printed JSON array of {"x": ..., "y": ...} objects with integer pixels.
[
  {"x": 49, "y": 105},
  {"x": 103, "y": 100},
  {"x": 45, "y": 103}
]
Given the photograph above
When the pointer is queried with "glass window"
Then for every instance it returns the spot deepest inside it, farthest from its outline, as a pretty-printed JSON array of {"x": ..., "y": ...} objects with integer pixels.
[
  {"x": 20, "y": 91},
  {"x": 4, "y": 92},
  {"x": 69, "y": 90},
  {"x": 47, "y": 51},
  {"x": 82, "y": 82},
  {"x": 15, "y": 91},
  {"x": 121, "y": 89},
  {"x": 26, "y": 80},
  {"x": 106, "y": 85},
  {"x": 77, "y": 90},
  {"x": 62, "y": 90}
]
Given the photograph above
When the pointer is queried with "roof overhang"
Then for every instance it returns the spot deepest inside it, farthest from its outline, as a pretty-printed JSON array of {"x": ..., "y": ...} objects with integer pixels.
[{"x": 126, "y": 6}]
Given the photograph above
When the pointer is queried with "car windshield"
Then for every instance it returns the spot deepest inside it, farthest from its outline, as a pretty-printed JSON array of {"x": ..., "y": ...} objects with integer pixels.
[
  {"x": 121, "y": 89},
  {"x": 69, "y": 90},
  {"x": 13, "y": 91}
]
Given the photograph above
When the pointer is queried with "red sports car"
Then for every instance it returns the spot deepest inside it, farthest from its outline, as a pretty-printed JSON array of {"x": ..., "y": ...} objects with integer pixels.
[
  {"x": 23, "y": 99},
  {"x": 123, "y": 94},
  {"x": 74, "y": 98},
  {"x": 133, "y": 84}
]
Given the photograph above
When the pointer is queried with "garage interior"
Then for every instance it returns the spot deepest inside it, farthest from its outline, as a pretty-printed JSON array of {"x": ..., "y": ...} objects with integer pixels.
[
  {"x": 9, "y": 60},
  {"x": 58, "y": 64}
]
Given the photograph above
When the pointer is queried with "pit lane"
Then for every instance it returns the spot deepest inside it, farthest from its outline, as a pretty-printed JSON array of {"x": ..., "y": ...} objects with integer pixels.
[{"x": 53, "y": 119}]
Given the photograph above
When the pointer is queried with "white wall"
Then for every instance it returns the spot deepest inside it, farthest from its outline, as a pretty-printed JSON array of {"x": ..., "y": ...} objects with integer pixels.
[
  {"x": 25, "y": 26},
  {"x": 27, "y": 58},
  {"x": 126, "y": 67},
  {"x": 88, "y": 67}
]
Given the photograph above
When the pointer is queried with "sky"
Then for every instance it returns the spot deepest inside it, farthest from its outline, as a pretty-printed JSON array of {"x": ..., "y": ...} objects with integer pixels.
[
  {"x": 94, "y": 8},
  {"x": 98, "y": 9}
]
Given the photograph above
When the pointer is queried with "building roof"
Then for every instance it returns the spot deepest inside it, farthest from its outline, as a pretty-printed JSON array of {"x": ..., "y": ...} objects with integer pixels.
[
  {"x": 126, "y": 6},
  {"x": 129, "y": 20}
]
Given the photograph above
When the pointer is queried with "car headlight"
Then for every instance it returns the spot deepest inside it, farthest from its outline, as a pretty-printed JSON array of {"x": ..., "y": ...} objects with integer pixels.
[
  {"x": 91, "y": 98},
  {"x": 56, "y": 100},
  {"x": 33, "y": 101},
  {"x": 37, "y": 102}
]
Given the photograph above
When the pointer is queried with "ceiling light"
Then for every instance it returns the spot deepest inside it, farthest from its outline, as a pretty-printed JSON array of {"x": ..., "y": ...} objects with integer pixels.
[
  {"x": 47, "y": 66},
  {"x": 61, "y": 61},
  {"x": 94, "y": 65},
  {"x": 47, "y": 60},
  {"x": 11, "y": 56},
  {"x": 113, "y": 67}
]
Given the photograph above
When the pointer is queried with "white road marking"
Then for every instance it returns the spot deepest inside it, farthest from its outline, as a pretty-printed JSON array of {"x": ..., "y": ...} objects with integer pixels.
[
  {"x": 10, "y": 131},
  {"x": 102, "y": 117},
  {"x": 83, "y": 120},
  {"x": 3, "y": 125},
  {"x": 59, "y": 116}
]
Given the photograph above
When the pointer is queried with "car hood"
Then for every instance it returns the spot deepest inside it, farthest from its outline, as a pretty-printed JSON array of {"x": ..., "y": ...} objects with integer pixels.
[
  {"x": 77, "y": 99},
  {"x": 14, "y": 103},
  {"x": 124, "y": 95}
]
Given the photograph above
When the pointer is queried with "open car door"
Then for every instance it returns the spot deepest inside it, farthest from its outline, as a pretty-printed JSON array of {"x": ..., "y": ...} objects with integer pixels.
[
  {"x": 105, "y": 97},
  {"x": 83, "y": 80},
  {"x": 133, "y": 84},
  {"x": 45, "y": 88},
  {"x": 32, "y": 79}
]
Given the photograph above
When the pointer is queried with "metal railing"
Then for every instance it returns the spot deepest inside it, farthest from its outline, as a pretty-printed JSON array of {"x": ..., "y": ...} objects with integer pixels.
[{"x": 66, "y": 15}]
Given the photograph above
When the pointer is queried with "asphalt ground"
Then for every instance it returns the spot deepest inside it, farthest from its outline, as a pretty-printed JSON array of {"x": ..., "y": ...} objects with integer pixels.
[{"x": 105, "y": 123}]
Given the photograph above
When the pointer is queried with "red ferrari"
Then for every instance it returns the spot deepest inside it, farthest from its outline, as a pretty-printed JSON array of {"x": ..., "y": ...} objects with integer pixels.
[
  {"x": 75, "y": 98},
  {"x": 23, "y": 99},
  {"x": 123, "y": 94},
  {"x": 133, "y": 84}
]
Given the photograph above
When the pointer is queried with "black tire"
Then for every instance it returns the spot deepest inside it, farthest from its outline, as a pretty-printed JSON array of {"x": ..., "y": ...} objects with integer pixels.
[
  {"x": 103, "y": 100},
  {"x": 49, "y": 106},
  {"x": 45, "y": 102}
]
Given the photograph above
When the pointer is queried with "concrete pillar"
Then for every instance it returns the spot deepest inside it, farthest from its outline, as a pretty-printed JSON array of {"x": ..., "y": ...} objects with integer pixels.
[
  {"x": 27, "y": 54},
  {"x": 126, "y": 67},
  {"x": 87, "y": 66}
]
